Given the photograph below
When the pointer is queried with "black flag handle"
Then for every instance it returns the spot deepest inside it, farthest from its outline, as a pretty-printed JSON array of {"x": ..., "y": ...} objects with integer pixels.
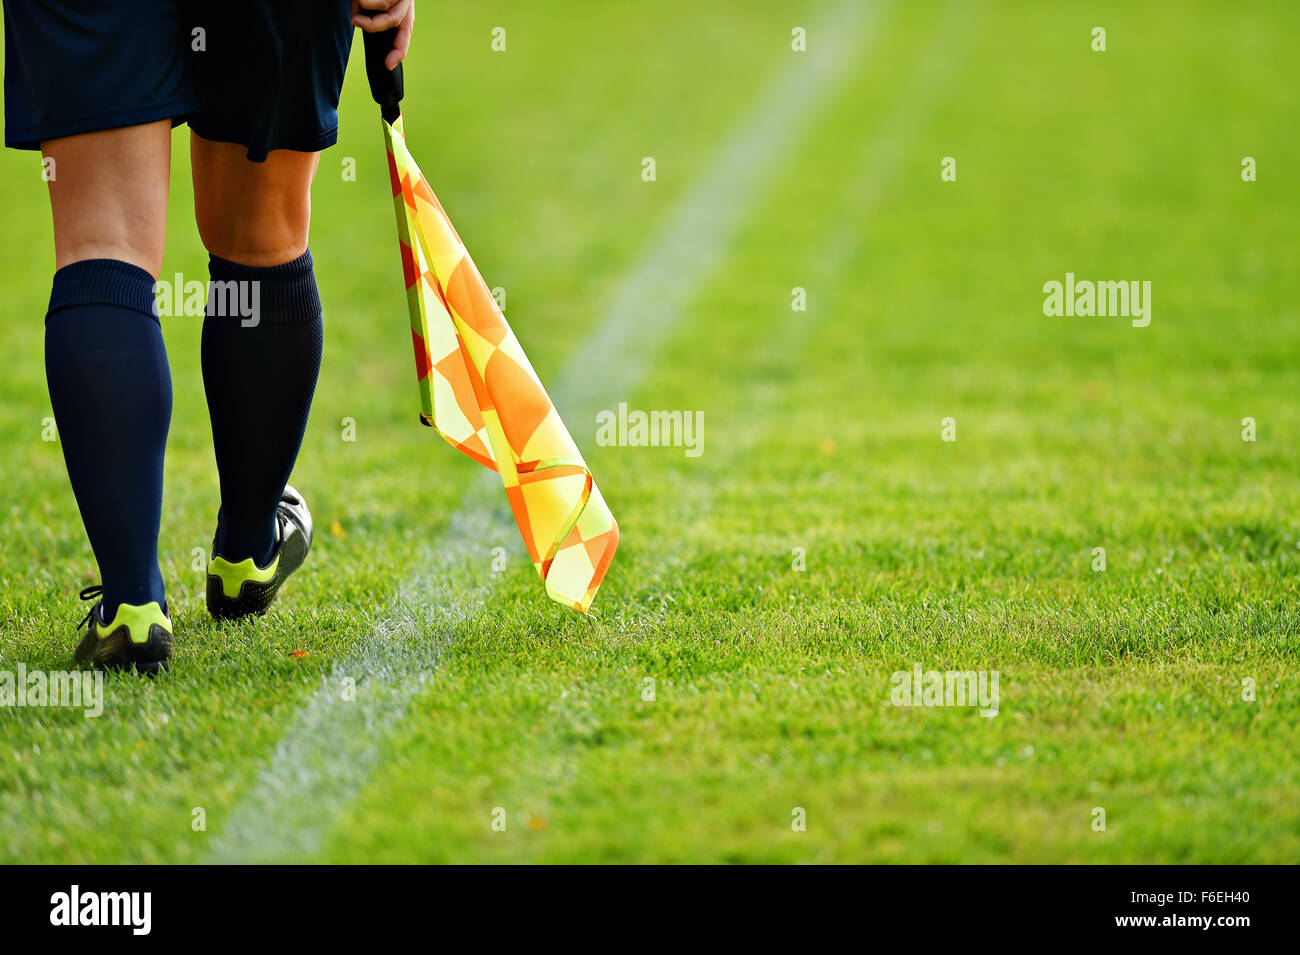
[{"x": 385, "y": 84}]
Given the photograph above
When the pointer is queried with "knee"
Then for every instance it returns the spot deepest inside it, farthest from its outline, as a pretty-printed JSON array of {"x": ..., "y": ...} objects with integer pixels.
[
  {"x": 109, "y": 199},
  {"x": 255, "y": 214},
  {"x": 258, "y": 233}
]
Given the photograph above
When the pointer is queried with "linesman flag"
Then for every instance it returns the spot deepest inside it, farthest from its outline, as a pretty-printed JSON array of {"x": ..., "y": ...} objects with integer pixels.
[{"x": 477, "y": 387}]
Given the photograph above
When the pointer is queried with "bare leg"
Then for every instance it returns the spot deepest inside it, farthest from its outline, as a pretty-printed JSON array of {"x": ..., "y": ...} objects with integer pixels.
[
  {"x": 252, "y": 213},
  {"x": 109, "y": 195}
]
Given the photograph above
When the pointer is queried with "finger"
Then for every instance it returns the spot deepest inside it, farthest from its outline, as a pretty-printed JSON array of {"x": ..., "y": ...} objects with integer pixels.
[
  {"x": 402, "y": 42},
  {"x": 372, "y": 4},
  {"x": 386, "y": 20}
]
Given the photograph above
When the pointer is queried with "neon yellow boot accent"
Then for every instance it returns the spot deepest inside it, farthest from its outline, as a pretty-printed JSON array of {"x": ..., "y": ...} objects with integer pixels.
[
  {"x": 137, "y": 619},
  {"x": 233, "y": 575}
]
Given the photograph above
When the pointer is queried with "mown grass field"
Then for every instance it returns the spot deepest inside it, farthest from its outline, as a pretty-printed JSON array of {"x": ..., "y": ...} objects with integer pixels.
[{"x": 1120, "y": 689}]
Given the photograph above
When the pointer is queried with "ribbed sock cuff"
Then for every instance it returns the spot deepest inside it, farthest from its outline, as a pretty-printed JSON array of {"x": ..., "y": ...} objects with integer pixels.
[
  {"x": 103, "y": 282},
  {"x": 287, "y": 294}
]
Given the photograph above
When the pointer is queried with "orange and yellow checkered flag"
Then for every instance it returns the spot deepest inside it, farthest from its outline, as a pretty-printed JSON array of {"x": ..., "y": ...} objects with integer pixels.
[{"x": 478, "y": 389}]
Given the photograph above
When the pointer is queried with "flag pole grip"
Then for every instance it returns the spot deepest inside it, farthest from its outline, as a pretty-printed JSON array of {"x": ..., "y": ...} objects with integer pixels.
[{"x": 385, "y": 84}]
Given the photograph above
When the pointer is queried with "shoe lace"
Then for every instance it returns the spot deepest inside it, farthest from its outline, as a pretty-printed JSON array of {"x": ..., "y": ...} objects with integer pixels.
[{"x": 93, "y": 592}]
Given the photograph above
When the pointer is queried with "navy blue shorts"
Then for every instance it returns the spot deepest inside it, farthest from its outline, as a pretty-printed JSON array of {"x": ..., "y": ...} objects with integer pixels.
[{"x": 266, "y": 75}]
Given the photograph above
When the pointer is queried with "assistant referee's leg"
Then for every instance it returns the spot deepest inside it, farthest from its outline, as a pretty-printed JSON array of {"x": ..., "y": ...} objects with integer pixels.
[
  {"x": 105, "y": 363},
  {"x": 259, "y": 376}
]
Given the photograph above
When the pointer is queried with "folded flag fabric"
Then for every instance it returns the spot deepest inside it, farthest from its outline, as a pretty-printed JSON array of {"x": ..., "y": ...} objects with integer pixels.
[{"x": 478, "y": 389}]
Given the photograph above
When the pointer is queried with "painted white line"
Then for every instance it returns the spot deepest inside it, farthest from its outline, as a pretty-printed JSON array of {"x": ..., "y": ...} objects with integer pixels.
[{"x": 332, "y": 746}]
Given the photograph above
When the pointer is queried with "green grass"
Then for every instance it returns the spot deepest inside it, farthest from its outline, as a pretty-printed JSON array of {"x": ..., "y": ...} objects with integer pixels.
[{"x": 1120, "y": 689}]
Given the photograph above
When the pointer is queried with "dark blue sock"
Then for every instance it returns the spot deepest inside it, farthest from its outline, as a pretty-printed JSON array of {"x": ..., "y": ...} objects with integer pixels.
[
  {"x": 259, "y": 372},
  {"x": 112, "y": 395}
]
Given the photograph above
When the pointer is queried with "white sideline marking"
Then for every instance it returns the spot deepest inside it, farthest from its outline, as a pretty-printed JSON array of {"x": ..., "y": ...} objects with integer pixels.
[{"x": 331, "y": 747}]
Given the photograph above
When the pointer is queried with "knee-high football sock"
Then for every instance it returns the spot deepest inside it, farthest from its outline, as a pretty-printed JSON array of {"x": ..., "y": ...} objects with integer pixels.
[
  {"x": 112, "y": 396},
  {"x": 259, "y": 373}
]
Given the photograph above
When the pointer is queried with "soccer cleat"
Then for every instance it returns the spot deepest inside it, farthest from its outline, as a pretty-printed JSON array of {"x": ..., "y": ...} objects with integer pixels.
[
  {"x": 237, "y": 589},
  {"x": 139, "y": 637}
]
